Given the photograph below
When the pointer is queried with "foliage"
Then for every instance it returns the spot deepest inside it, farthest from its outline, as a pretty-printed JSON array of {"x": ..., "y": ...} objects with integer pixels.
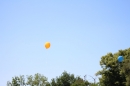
[
  {"x": 36, "y": 80},
  {"x": 15, "y": 81},
  {"x": 80, "y": 82},
  {"x": 65, "y": 79},
  {"x": 114, "y": 73}
]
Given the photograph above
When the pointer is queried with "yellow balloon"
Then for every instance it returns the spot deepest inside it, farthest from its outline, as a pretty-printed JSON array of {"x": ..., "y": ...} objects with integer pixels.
[{"x": 47, "y": 45}]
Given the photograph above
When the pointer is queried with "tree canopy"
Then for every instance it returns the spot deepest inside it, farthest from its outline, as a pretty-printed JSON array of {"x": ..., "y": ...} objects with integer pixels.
[{"x": 113, "y": 73}]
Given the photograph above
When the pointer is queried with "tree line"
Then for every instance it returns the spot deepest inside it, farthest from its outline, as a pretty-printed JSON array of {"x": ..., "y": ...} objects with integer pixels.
[{"x": 113, "y": 73}]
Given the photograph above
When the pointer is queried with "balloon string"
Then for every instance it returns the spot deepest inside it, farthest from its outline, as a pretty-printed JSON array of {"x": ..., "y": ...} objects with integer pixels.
[{"x": 46, "y": 56}]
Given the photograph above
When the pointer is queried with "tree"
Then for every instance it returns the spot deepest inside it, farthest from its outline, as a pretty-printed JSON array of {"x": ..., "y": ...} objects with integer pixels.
[
  {"x": 53, "y": 82},
  {"x": 16, "y": 81},
  {"x": 126, "y": 68},
  {"x": 67, "y": 79},
  {"x": 114, "y": 73},
  {"x": 36, "y": 80},
  {"x": 80, "y": 82},
  {"x": 31, "y": 80}
]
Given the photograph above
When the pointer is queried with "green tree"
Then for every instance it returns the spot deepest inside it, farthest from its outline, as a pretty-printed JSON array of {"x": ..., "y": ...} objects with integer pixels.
[
  {"x": 80, "y": 82},
  {"x": 114, "y": 73},
  {"x": 16, "y": 81},
  {"x": 126, "y": 68},
  {"x": 67, "y": 79},
  {"x": 36, "y": 80},
  {"x": 53, "y": 82}
]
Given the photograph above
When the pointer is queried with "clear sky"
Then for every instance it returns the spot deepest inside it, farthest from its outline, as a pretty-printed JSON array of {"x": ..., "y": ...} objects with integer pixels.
[{"x": 80, "y": 32}]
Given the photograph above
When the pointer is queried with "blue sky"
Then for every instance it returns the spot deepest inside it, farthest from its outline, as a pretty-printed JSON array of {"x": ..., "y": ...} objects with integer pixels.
[{"x": 80, "y": 32}]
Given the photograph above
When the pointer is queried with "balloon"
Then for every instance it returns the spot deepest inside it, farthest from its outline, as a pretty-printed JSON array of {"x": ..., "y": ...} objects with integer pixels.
[
  {"x": 47, "y": 45},
  {"x": 120, "y": 58}
]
